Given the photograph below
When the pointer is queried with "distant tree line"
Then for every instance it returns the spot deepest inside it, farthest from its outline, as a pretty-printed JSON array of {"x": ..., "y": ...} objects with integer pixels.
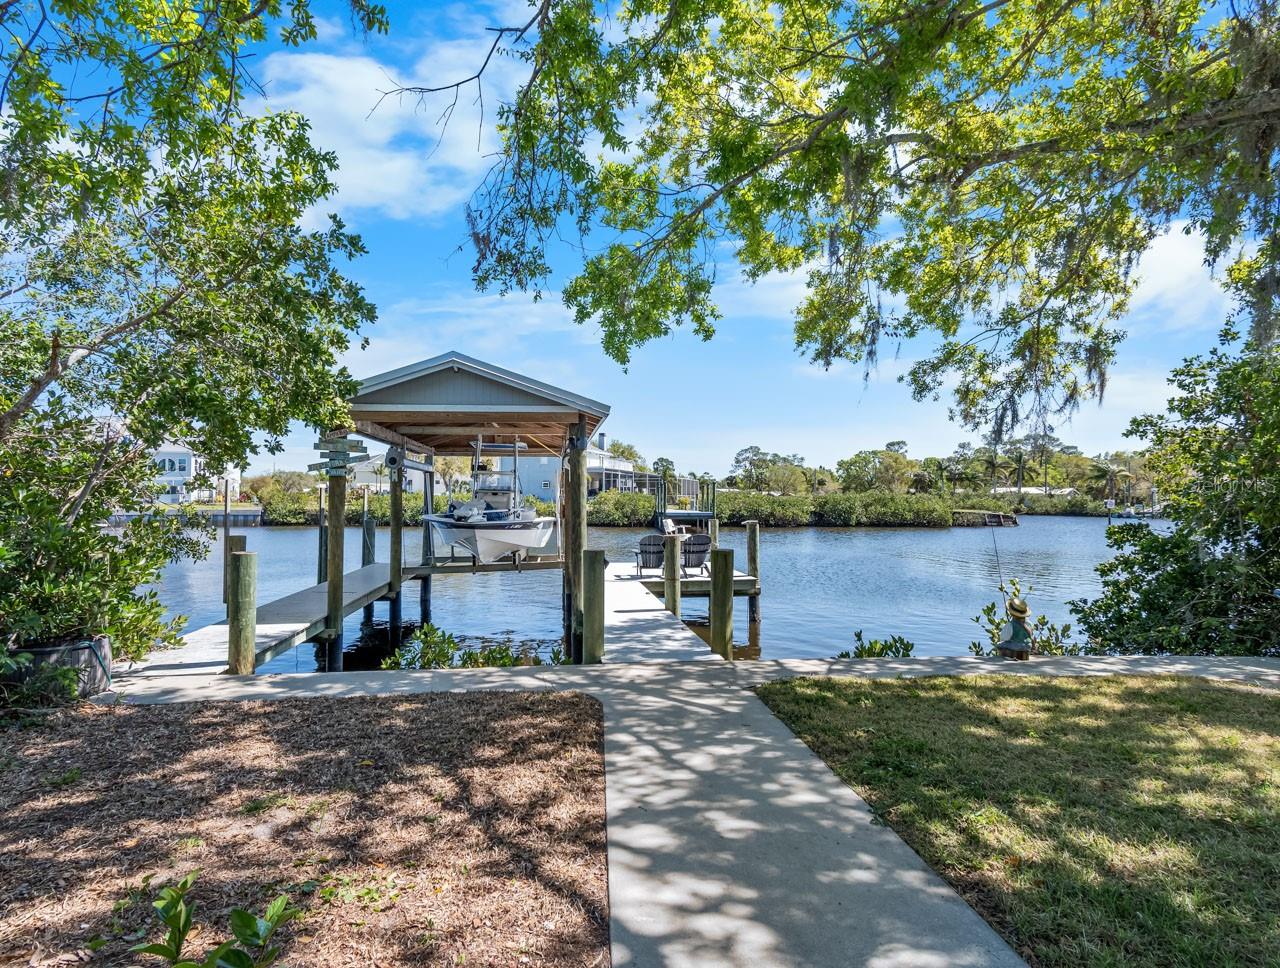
[{"x": 1037, "y": 462}]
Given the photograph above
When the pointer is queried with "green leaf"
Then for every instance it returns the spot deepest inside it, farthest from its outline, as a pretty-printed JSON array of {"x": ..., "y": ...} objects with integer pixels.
[{"x": 246, "y": 928}]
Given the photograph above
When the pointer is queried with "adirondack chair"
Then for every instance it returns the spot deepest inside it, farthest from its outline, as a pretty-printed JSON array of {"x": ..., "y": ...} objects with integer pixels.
[
  {"x": 694, "y": 551},
  {"x": 649, "y": 554},
  {"x": 670, "y": 527}
]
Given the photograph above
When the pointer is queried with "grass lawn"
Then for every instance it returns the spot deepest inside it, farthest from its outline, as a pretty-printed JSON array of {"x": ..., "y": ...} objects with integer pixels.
[
  {"x": 1117, "y": 821},
  {"x": 412, "y": 830}
]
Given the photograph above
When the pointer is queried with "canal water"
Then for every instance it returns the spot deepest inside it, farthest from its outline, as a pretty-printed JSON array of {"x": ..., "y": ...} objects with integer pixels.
[{"x": 820, "y": 584}]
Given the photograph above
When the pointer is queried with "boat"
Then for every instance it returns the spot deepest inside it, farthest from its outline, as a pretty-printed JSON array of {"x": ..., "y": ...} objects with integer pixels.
[{"x": 492, "y": 524}]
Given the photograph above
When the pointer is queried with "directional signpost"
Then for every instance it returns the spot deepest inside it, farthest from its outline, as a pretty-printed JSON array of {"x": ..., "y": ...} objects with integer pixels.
[{"x": 338, "y": 456}]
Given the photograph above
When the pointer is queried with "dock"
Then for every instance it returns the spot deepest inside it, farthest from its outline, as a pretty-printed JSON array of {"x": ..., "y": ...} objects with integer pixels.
[
  {"x": 283, "y": 624},
  {"x": 638, "y": 626},
  {"x": 976, "y": 518}
]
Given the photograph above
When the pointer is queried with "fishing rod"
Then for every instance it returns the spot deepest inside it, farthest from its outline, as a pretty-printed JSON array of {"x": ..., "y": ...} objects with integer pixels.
[{"x": 999, "y": 570}]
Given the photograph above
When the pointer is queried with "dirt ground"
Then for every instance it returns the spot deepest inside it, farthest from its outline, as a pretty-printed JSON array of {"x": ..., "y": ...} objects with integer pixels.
[{"x": 412, "y": 830}]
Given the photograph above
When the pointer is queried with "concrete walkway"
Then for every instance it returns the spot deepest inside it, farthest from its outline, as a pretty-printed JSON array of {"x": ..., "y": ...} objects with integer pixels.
[
  {"x": 729, "y": 842},
  {"x": 638, "y": 627}
]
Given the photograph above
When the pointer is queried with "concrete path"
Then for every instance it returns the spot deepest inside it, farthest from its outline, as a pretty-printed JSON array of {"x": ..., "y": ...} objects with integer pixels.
[
  {"x": 729, "y": 842},
  {"x": 638, "y": 627}
]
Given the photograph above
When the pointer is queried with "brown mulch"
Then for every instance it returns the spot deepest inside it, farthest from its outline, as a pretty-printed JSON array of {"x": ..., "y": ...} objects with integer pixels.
[{"x": 412, "y": 830}]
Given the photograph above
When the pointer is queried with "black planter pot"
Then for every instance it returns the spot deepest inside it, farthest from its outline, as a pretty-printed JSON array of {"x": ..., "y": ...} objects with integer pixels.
[{"x": 91, "y": 658}]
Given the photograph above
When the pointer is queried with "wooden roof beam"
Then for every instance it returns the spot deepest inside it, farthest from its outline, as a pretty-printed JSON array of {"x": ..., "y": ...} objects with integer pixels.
[{"x": 455, "y": 430}]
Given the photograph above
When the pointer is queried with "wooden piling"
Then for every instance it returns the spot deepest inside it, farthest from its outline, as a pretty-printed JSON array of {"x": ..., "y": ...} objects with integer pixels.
[
  {"x": 593, "y": 564},
  {"x": 428, "y": 556},
  {"x": 566, "y": 568},
  {"x": 671, "y": 573},
  {"x": 368, "y": 543},
  {"x": 713, "y": 529},
  {"x": 722, "y": 602},
  {"x": 753, "y": 568},
  {"x": 322, "y": 538},
  {"x": 226, "y": 532},
  {"x": 576, "y": 534},
  {"x": 242, "y": 613},
  {"x": 231, "y": 544},
  {"x": 397, "y": 550},
  {"x": 322, "y": 553},
  {"x": 337, "y": 532}
]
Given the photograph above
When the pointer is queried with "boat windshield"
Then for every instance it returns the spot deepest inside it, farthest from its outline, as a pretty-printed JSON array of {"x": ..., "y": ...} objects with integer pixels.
[{"x": 494, "y": 481}]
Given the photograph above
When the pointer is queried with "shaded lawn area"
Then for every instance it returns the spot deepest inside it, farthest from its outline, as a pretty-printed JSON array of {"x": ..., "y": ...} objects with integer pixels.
[
  {"x": 1091, "y": 821},
  {"x": 412, "y": 830}
]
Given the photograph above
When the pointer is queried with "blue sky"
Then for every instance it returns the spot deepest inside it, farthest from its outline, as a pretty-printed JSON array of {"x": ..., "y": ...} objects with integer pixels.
[{"x": 402, "y": 186}]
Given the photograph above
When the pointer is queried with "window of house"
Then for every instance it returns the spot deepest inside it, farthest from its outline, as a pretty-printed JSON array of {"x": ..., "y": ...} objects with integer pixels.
[
  {"x": 182, "y": 464},
  {"x": 546, "y": 485}
]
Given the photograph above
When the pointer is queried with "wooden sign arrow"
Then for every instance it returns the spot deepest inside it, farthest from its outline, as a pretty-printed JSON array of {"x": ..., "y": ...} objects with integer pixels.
[{"x": 341, "y": 445}]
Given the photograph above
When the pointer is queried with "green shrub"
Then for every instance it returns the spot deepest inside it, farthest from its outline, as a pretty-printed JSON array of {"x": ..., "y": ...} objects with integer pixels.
[
  {"x": 772, "y": 511},
  {"x": 544, "y": 509},
  {"x": 981, "y": 501},
  {"x": 1171, "y": 594},
  {"x": 63, "y": 576},
  {"x": 620, "y": 509},
  {"x": 894, "y": 647},
  {"x": 433, "y": 648},
  {"x": 50, "y": 685},
  {"x": 249, "y": 948},
  {"x": 1078, "y": 505},
  {"x": 285, "y": 508},
  {"x": 884, "y": 509},
  {"x": 837, "y": 510}
]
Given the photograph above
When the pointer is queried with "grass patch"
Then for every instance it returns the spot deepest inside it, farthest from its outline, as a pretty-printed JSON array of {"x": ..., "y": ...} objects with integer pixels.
[
  {"x": 1104, "y": 821},
  {"x": 440, "y": 829}
]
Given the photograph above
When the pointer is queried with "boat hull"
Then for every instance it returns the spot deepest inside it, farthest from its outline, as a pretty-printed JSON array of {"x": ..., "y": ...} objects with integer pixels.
[{"x": 492, "y": 540}]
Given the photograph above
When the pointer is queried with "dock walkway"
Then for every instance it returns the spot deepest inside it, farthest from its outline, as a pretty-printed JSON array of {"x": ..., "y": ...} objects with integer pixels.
[
  {"x": 282, "y": 624},
  {"x": 638, "y": 627}
]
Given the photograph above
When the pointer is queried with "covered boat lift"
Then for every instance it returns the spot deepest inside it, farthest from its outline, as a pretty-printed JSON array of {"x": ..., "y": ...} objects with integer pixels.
[{"x": 437, "y": 408}]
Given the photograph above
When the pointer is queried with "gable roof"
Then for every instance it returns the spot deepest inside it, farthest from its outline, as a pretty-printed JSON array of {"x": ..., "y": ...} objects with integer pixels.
[{"x": 442, "y": 404}]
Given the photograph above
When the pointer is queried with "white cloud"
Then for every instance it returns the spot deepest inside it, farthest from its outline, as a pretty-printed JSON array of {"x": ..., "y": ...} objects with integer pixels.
[
  {"x": 1176, "y": 291},
  {"x": 404, "y": 156},
  {"x": 773, "y": 296},
  {"x": 494, "y": 327}
]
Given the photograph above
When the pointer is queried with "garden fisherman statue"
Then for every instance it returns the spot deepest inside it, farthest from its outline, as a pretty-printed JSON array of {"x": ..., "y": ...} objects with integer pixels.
[{"x": 1015, "y": 637}]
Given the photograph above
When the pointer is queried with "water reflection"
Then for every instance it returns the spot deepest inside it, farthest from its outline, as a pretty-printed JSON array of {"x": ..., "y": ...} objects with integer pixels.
[{"x": 819, "y": 585}]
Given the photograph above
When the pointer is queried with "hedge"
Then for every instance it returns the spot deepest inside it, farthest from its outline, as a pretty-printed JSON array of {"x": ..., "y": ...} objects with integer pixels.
[
  {"x": 882, "y": 509},
  {"x": 1077, "y": 505},
  {"x": 304, "y": 509},
  {"x": 772, "y": 511},
  {"x": 620, "y": 509}
]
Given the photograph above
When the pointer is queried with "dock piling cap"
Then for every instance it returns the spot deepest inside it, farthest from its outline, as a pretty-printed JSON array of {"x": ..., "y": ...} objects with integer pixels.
[{"x": 1018, "y": 608}]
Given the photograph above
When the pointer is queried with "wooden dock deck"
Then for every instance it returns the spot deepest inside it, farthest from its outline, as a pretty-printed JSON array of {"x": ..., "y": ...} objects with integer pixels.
[{"x": 282, "y": 624}]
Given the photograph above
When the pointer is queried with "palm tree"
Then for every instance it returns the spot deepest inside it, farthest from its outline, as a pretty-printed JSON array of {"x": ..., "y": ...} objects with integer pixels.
[
  {"x": 1019, "y": 459},
  {"x": 1108, "y": 475},
  {"x": 995, "y": 468},
  {"x": 956, "y": 470}
]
